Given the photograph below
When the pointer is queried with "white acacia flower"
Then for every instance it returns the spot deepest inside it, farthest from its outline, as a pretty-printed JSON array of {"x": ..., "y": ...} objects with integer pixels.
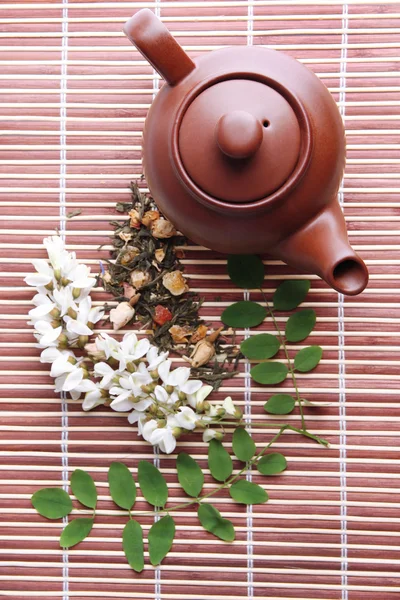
[
  {"x": 69, "y": 381},
  {"x": 46, "y": 334},
  {"x": 131, "y": 349},
  {"x": 63, "y": 364},
  {"x": 102, "y": 369},
  {"x": 50, "y": 354},
  {"x": 43, "y": 306},
  {"x": 229, "y": 407},
  {"x": 56, "y": 251},
  {"x": 163, "y": 397},
  {"x": 86, "y": 385},
  {"x": 178, "y": 378},
  {"x": 196, "y": 400},
  {"x": 93, "y": 398},
  {"x": 129, "y": 394},
  {"x": 79, "y": 277},
  {"x": 43, "y": 276},
  {"x": 147, "y": 429},
  {"x": 86, "y": 314},
  {"x": 65, "y": 300},
  {"x": 164, "y": 438},
  {"x": 154, "y": 358},
  {"x": 108, "y": 345},
  {"x": 210, "y": 434},
  {"x": 186, "y": 418}
]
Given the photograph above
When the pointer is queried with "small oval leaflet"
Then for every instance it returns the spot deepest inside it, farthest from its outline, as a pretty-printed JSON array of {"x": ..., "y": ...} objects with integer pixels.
[
  {"x": 260, "y": 346},
  {"x": 280, "y": 404},
  {"x": 122, "y": 485},
  {"x": 300, "y": 325},
  {"x": 219, "y": 461},
  {"x": 190, "y": 475},
  {"x": 243, "y": 444},
  {"x": 307, "y": 358},
  {"x": 272, "y": 464},
  {"x": 161, "y": 536},
  {"x": 132, "y": 543},
  {"x": 52, "y": 503},
  {"x": 244, "y": 314},
  {"x": 152, "y": 483},
  {"x": 290, "y": 294},
  {"x": 214, "y": 523},
  {"x": 246, "y": 270},
  {"x": 269, "y": 373},
  {"x": 246, "y": 492},
  {"x": 76, "y": 531},
  {"x": 84, "y": 488}
]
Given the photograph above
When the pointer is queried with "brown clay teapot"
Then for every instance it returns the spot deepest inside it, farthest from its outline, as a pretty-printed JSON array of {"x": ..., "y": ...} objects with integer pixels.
[{"x": 244, "y": 151}]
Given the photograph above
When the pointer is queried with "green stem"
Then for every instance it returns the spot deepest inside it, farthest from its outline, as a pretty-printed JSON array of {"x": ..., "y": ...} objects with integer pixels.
[{"x": 289, "y": 362}]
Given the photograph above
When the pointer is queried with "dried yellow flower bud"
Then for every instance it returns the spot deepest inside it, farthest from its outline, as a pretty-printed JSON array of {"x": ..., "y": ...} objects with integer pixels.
[
  {"x": 179, "y": 333},
  {"x": 162, "y": 229},
  {"x": 129, "y": 255},
  {"x": 149, "y": 217},
  {"x": 121, "y": 315},
  {"x": 134, "y": 219},
  {"x": 202, "y": 353},
  {"x": 125, "y": 236},
  {"x": 199, "y": 334},
  {"x": 175, "y": 283},
  {"x": 160, "y": 254}
]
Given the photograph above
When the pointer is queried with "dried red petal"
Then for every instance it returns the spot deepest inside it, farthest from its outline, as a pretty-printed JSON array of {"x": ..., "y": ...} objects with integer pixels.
[{"x": 161, "y": 315}]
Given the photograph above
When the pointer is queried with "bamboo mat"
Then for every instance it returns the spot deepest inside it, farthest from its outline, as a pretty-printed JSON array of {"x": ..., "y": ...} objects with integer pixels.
[{"x": 74, "y": 95}]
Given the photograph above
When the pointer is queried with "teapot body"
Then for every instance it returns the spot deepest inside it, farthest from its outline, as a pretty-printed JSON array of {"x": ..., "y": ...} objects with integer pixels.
[{"x": 260, "y": 224}]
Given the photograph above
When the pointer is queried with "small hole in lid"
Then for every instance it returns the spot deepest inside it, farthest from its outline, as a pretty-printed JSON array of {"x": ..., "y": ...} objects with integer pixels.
[{"x": 266, "y": 123}]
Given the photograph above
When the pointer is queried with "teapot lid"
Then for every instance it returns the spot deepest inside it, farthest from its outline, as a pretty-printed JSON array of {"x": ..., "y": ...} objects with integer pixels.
[{"x": 239, "y": 140}]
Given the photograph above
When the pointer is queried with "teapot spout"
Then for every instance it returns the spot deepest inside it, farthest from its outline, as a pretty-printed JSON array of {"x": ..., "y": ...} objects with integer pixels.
[{"x": 322, "y": 247}]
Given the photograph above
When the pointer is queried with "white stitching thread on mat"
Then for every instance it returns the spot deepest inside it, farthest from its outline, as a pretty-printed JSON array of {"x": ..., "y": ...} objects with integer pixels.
[
  {"x": 63, "y": 155},
  {"x": 156, "y": 460},
  {"x": 341, "y": 342},
  {"x": 247, "y": 394}
]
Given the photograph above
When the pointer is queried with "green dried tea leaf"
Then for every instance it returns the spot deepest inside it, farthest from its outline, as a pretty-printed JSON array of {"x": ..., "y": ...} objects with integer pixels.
[
  {"x": 280, "y": 404},
  {"x": 152, "y": 483},
  {"x": 246, "y": 492},
  {"x": 300, "y": 325},
  {"x": 260, "y": 346},
  {"x": 244, "y": 314},
  {"x": 84, "y": 488},
  {"x": 122, "y": 485},
  {"x": 243, "y": 444},
  {"x": 290, "y": 294},
  {"x": 161, "y": 536},
  {"x": 219, "y": 461},
  {"x": 190, "y": 475},
  {"x": 246, "y": 270},
  {"x": 132, "y": 543},
  {"x": 272, "y": 464},
  {"x": 307, "y": 358},
  {"x": 212, "y": 521},
  {"x": 52, "y": 503},
  {"x": 269, "y": 373},
  {"x": 76, "y": 531}
]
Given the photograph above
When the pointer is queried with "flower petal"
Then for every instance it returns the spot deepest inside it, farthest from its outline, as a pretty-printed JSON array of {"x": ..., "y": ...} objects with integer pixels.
[
  {"x": 141, "y": 348},
  {"x": 72, "y": 380},
  {"x": 78, "y": 328},
  {"x": 161, "y": 394},
  {"x": 191, "y": 387},
  {"x": 122, "y": 404},
  {"x": 203, "y": 393},
  {"x": 49, "y": 355},
  {"x": 179, "y": 376},
  {"x": 163, "y": 369}
]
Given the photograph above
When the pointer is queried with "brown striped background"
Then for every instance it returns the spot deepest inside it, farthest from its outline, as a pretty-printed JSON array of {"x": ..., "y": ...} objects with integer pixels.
[{"x": 73, "y": 97}]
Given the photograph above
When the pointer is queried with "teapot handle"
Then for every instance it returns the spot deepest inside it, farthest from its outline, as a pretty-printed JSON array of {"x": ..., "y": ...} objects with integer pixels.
[{"x": 158, "y": 46}]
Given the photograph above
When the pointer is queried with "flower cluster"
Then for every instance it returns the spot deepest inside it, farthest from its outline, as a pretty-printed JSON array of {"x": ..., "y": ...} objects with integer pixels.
[{"x": 129, "y": 375}]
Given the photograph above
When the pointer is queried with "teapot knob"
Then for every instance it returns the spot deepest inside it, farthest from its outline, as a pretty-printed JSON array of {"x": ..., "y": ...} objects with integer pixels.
[{"x": 239, "y": 134}]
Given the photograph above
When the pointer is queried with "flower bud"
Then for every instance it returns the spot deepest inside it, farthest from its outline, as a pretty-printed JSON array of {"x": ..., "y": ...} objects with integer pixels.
[
  {"x": 62, "y": 341},
  {"x": 202, "y": 353},
  {"x": 76, "y": 292},
  {"x": 55, "y": 313},
  {"x": 72, "y": 360},
  {"x": 130, "y": 367},
  {"x": 221, "y": 412},
  {"x": 182, "y": 396},
  {"x": 55, "y": 323},
  {"x": 201, "y": 424},
  {"x": 161, "y": 423},
  {"x": 149, "y": 388},
  {"x": 169, "y": 389},
  {"x": 162, "y": 229},
  {"x": 177, "y": 432},
  {"x": 65, "y": 281},
  {"x": 175, "y": 283},
  {"x": 139, "y": 278},
  {"x": 121, "y": 315},
  {"x": 57, "y": 274},
  {"x": 82, "y": 341},
  {"x": 50, "y": 286},
  {"x": 154, "y": 374}
]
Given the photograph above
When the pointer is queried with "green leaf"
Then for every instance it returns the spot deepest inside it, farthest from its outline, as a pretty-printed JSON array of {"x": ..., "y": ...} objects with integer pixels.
[
  {"x": 244, "y": 314},
  {"x": 307, "y": 358},
  {"x": 212, "y": 521},
  {"x": 152, "y": 483},
  {"x": 246, "y": 492},
  {"x": 280, "y": 404},
  {"x": 76, "y": 531},
  {"x": 132, "y": 543},
  {"x": 246, "y": 270},
  {"x": 300, "y": 325},
  {"x": 290, "y": 294},
  {"x": 84, "y": 488},
  {"x": 243, "y": 444},
  {"x": 269, "y": 373},
  {"x": 52, "y": 503},
  {"x": 272, "y": 464},
  {"x": 122, "y": 485},
  {"x": 190, "y": 475},
  {"x": 260, "y": 346},
  {"x": 161, "y": 536},
  {"x": 219, "y": 461}
]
